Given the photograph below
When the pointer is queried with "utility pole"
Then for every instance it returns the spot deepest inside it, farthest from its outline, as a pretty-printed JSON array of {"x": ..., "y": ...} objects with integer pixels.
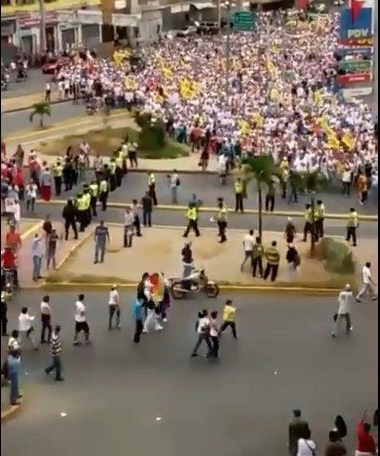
[{"x": 42, "y": 27}]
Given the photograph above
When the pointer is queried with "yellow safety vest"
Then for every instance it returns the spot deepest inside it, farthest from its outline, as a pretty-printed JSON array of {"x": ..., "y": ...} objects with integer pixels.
[
  {"x": 320, "y": 213},
  {"x": 222, "y": 214},
  {"x": 81, "y": 204},
  {"x": 272, "y": 255},
  {"x": 87, "y": 200},
  {"x": 191, "y": 213},
  {"x": 309, "y": 215},
  {"x": 103, "y": 187},
  {"x": 57, "y": 171},
  {"x": 119, "y": 161},
  {"x": 238, "y": 187},
  {"x": 94, "y": 189},
  {"x": 353, "y": 220}
]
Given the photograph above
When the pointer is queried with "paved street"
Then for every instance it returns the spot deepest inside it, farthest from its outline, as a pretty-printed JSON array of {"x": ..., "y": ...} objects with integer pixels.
[
  {"x": 114, "y": 391},
  {"x": 34, "y": 84},
  {"x": 208, "y": 189},
  {"x": 237, "y": 221}
]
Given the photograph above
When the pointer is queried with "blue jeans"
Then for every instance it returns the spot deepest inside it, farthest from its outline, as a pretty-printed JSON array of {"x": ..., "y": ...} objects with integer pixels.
[
  {"x": 100, "y": 250},
  {"x": 14, "y": 391},
  {"x": 37, "y": 264}
]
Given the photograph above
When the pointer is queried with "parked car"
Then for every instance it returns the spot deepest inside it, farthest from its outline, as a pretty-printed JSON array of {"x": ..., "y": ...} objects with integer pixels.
[{"x": 54, "y": 64}]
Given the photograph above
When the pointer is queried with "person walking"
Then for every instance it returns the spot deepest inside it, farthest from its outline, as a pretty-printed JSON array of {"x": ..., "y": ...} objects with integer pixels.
[
  {"x": 365, "y": 442},
  {"x": 239, "y": 189},
  {"x": 55, "y": 353},
  {"x": 147, "y": 207},
  {"x": 129, "y": 220},
  {"x": 151, "y": 320},
  {"x": 136, "y": 217},
  {"x": 270, "y": 196},
  {"x": 192, "y": 221},
  {"x": 293, "y": 259},
  {"x": 94, "y": 193},
  {"x": 306, "y": 446},
  {"x": 335, "y": 447},
  {"x": 101, "y": 236},
  {"x": 57, "y": 171},
  {"x": 113, "y": 308},
  {"x": 221, "y": 219},
  {"x": 352, "y": 226},
  {"x": 202, "y": 329},
  {"x": 13, "y": 366},
  {"x": 152, "y": 188},
  {"x": 31, "y": 191},
  {"x": 51, "y": 249},
  {"x": 174, "y": 183},
  {"x": 257, "y": 258},
  {"x": 69, "y": 216},
  {"x": 214, "y": 335},
  {"x": 368, "y": 285},
  {"x": 4, "y": 314},
  {"x": 45, "y": 319},
  {"x": 248, "y": 242},
  {"x": 37, "y": 257},
  {"x": 272, "y": 256},
  {"x": 309, "y": 220},
  {"x": 103, "y": 193},
  {"x": 290, "y": 231},
  {"x": 345, "y": 299},
  {"x": 229, "y": 312},
  {"x": 25, "y": 327},
  {"x": 320, "y": 214},
  {"x": 81, "y": 324},
  {"x": 298, "y": 429}
]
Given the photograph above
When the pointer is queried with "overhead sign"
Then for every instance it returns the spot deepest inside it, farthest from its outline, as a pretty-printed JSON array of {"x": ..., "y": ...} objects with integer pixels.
[
  {"x": 355, "y": 26},
  {"x": 355, "y": 66},
  {"x": 244, "y": 21},
  {"x": 356, "y": 78},
  {"x": 354, "y": 51}
]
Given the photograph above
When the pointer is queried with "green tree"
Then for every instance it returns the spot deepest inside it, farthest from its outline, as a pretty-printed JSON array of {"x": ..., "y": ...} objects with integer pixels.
[
  {"x": 264, "y": 172},
  {"x": 40, "y": 109}
]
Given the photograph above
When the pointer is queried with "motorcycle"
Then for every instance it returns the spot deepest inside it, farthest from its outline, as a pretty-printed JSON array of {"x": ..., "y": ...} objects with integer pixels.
[{"x": 196, "y": 282}]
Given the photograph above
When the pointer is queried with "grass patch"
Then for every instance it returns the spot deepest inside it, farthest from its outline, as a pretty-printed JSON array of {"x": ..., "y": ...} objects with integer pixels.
[{"x": 104, "y": 141}]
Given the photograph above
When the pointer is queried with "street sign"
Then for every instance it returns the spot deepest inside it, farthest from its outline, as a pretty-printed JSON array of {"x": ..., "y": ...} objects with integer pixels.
[
  {"x": 244, "y": 21},
  {"x": 355, "y": 66}
]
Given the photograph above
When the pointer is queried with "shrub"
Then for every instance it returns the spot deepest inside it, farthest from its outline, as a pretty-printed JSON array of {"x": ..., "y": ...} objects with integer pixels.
[
  {"x": 337, "y": 256},
  {"x": 152, "y": 136}
]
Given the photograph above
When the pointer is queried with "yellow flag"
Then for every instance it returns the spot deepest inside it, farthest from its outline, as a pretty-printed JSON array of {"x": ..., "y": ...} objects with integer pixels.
[
  {"x": 317, "y": 98},
  {"x": 348, "y": 140}
]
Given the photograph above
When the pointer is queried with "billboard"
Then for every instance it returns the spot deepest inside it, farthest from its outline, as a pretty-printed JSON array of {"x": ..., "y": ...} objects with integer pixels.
[
  {"x": 355, "y": 27},
  {"x": 356, "y": 78},
  {"x": 355, "y": 66},
  {"x": 355, "y": 51}
]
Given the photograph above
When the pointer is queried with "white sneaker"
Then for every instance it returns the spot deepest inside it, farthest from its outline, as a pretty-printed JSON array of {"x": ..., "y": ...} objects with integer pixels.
[
  {"x": 145, "y": 331},
  {"x": 159, "y": 328}
]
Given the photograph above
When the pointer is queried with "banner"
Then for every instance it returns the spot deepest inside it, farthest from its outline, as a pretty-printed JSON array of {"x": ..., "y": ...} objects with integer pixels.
[
  {"x": 355, "y": 51},
  {"x": 355, "y": 27},
  {"x": 355, "y": 66},
  {"x": 356, "y": 78}
]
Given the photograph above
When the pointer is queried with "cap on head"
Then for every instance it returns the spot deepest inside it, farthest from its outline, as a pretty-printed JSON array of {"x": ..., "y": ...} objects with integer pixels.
[{"x": 348, "y": 287}]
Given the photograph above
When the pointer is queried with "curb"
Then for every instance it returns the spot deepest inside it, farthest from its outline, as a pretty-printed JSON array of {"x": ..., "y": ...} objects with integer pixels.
[
  {"x": 26, "y": 108},
  {"x": 230, "y": 287},
  {"x": 11, "y": 412},
  {"x": 168, "y": 207}
]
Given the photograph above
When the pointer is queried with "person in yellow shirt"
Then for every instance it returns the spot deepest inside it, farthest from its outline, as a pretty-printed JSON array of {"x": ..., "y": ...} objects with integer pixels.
[
  {"x": 239, "y": 188},
  {"x": 229, "y": 312}
]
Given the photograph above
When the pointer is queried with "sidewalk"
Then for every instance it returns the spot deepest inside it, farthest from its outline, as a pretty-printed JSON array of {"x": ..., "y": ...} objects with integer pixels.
[
  {"x": 160, "y": 250},
  {"x": 27, "y": 101}
]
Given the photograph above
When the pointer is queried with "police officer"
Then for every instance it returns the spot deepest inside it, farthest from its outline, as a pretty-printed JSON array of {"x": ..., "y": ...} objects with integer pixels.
[
  {"x": 87, "y": 199},
  {"x": 238, "y": 187},
  {"x": 352, "y": 225},
  {"x": 308, "y": 227},
  {"x": 103, "y": 193},
  {"x": 94, "y": 193},
  {"x": 273, "y": 260},
  {"x": 57, "y": 174},
  {"x": 80, "y": 204},
  {"x": 112, "y": 177},
  {"x": 192, "y": 221},
  {"x": 320, "y": 220},
  {"x": 221, "y": 219},
  {"x": 152, "y": 188}
]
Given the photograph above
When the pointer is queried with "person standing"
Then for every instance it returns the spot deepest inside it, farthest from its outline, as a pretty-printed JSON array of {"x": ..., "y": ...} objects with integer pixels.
[
  {"x": 31, "y": 196},
  {"x": 346, "y": 181},
  {"x": 214, "y": 335},
  {"x": 94, "y": 193},
  {"x": 192, "y": 221},
  {"x": 365, "y": 443},
  {"x": 229, "y": 313},
  {"x": 103, "y": 193},
  {"x": 345, "y": 299},
  {"x": 13, "y": 366},
  {"x": 37, "y": 257},
  {"x": 221, "y": 219},
  {"x": 308, "y": 227},
  {"x": 270, "y": 197},
  {"x": 147, "y": 207},
  {"x": 25, "y": 327},
  {"x": 335, "y": 447},
  {"x": 46, "y": 182},
  {"x": 136, "y": 217},
  {"x": 290, "y": 231},
  {"x": 320, "y": 220},
  {"x": 202, "y": 328},
  {"x": 352, "y": 225},
  {"x": 248, "y": 243},
  {"x": 4, "y": 313},
  {"x": 101, "y": 236},
  {"x": 298, "y": 429},
  {"x": 174, "y": 183},
  {"x": 362, "y": 184},
  {"x": 152, "y": 188},
  {"x": 51, "y": 249},
  {"x": 114, "y": 307},
  {"x": 57, "y": 174},
  {"x": 129, "y": 220},
  {"x": 239, "y": 189},
  {"x": 45, "y": 319},
  {"x": 293, "y": 260},
  {"x": 68, "y": 214},
  {"x": 306, "y": 446},
  {"x": 81, "y": 324},
  {"x": 138, "y": 316},
  {"x": 55, "y": 353},
  {"x": 272, "y": 256},
  {"x": 257, "y": 258},
  {"x": 367, "y": 284}
]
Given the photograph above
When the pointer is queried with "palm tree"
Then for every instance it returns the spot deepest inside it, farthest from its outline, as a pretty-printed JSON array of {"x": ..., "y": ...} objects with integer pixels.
[
  {"x": 40, "y": 109},
  {"x": 264, "y": 171}
]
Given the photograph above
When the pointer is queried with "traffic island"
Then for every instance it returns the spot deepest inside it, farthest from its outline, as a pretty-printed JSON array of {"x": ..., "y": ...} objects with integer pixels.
[{"x": 159, "y": 250}]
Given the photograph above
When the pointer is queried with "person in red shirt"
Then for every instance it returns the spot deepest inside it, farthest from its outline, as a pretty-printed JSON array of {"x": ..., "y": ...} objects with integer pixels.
[
  {"x": 13, "y": 238},
  {"x": 365, "y": 443},
  {"x": 8, "y": 262}
]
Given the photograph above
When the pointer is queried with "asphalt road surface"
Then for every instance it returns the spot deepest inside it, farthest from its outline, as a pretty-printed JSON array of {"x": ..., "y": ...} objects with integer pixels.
[
  {"x": 155, "y": 399},
  {"x": 208, "y": 189},
  {"x": 366, "y": 230},
  {"x": 34, "y": 84}
]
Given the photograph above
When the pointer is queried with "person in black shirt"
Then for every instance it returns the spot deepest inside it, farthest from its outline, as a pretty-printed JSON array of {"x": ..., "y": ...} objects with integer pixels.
[
  {"x": 147, "y": 206},
  {"x": 68, "y": 214}
]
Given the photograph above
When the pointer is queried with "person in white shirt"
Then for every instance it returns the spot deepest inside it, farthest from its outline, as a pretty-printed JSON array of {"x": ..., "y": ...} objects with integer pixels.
[
  {"x": 346, "y": 181},
  {"x": 81, "y": 320},
  {"x": 25, "y": 327},
  {"x": 129, "y": 221},
  {"x": 14, "y": 342},
  {"x": 174, "y": 183},
  {"x": 368, "y": 284},
  {"x": 202, "y": 328},
  {"x": 113, "y": 307},
  {"x": 345, "y": 300},
  {"x": 248, "y": 242},
  {"x": 31, "y": 196},
  {"x": 306, "y": 447},
  {"x": 45, "y": 319},
  {"x": 151, "y": 320},
  {"x": 214, "y": 335}
]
